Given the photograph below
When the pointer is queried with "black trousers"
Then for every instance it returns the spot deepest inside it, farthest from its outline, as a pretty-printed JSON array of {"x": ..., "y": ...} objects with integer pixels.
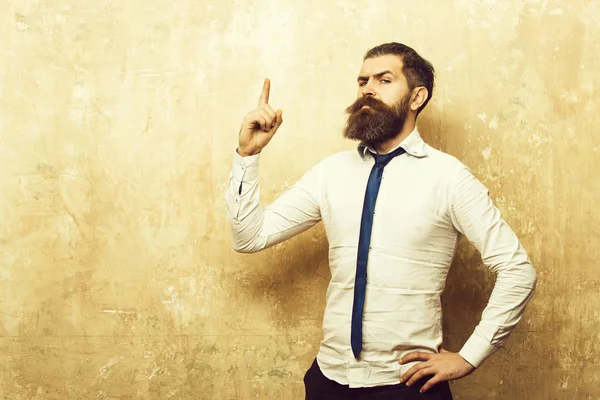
[{"x": 319, "y": 387}]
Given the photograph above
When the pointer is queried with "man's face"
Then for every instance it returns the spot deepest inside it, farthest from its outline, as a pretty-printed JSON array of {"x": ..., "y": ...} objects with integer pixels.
[{"x": 383, "y": 101}]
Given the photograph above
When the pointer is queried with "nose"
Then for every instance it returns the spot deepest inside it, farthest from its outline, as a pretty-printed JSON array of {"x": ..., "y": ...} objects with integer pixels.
[{"x": 367, "y": 90}]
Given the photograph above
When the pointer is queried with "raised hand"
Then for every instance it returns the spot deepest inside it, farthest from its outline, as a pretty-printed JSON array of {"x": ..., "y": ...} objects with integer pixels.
[{"x": 259, "y": 125}]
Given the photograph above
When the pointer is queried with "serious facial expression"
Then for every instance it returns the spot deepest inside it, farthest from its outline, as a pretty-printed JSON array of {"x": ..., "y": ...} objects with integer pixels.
[{"x": 382, "y": 104}]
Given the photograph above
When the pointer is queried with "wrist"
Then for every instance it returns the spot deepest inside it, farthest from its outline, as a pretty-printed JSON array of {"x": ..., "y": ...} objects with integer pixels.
[
  {"x": 245, "y": 153},
  {"x": 467, "y": 364}
]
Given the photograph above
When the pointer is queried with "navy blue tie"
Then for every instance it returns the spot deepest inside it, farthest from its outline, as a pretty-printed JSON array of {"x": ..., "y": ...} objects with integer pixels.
[{"x": 364, "y": 241}]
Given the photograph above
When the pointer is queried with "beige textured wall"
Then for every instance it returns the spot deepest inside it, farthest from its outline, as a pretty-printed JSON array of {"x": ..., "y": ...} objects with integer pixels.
[{"x": 118, "y": 120}]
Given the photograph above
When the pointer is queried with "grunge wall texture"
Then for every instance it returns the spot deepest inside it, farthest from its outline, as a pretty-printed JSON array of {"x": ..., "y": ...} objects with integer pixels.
[{"x": 118, "y": 122}]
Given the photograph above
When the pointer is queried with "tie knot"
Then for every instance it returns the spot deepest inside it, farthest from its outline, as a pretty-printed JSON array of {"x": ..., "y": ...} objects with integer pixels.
[{"x": 384, "y": 159}]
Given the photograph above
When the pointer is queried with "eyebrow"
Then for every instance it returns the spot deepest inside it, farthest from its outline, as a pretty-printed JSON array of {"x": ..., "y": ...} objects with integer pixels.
[{"x": 378, "y": 75}]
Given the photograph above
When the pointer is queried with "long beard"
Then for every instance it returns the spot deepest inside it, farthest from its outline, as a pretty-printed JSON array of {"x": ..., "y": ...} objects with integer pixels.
[{"x": 377, "y": 123}]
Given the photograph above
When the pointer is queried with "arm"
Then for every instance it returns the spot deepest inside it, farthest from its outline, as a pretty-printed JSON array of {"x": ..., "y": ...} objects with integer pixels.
[
  {"x": 293, "y": 212},
  {"x": 474, "y": 215},
  {"x": 254, "y": 228}
]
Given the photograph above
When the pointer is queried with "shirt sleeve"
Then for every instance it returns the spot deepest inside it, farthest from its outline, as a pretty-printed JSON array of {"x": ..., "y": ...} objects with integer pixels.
[
  {"x": 254, "y": 228},
  {"x": 475, "y": 216}
]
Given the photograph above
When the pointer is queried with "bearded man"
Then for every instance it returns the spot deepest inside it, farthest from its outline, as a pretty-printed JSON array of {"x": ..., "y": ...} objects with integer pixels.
[{"x": 393, "y": 211}]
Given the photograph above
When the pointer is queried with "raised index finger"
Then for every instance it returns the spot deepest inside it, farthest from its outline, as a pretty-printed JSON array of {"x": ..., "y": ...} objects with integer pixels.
[{"x": 264, "y": 96}]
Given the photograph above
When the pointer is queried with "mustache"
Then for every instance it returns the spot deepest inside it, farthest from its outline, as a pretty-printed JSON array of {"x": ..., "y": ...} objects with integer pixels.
[{"x": 366, "y": 101}]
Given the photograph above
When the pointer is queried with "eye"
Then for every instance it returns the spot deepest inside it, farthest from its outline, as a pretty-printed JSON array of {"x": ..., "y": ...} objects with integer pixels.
[
  {"x": 362, "y": 83},
  {"x": 385, "y": 81}
]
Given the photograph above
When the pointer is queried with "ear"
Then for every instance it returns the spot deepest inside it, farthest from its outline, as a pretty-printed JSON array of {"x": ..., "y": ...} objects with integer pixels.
[{"x": 419, "y": 96}]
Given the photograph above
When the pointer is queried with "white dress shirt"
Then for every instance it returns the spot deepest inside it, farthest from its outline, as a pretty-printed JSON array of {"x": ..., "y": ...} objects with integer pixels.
[{"x": 426, "y": 199}]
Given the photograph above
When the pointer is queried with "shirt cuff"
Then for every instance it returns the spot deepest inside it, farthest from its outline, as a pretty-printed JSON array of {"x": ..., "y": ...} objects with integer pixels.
[
  {"x": 245, "y": 169},
  {"x": 476, "y": 350}
]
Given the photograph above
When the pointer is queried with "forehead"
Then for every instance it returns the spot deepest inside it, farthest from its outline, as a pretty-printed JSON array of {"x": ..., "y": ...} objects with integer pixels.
[{"x": 375, "y": 65}]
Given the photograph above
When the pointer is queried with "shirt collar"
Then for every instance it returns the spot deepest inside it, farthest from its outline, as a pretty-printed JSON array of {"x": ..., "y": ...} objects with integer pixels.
[{"x": 413, "y": 144}]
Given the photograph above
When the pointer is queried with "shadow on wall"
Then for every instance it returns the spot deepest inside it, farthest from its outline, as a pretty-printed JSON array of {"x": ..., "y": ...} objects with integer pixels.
[
  {"x": 468, "y": 288},
  {"x": 291, "y": 279}
]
